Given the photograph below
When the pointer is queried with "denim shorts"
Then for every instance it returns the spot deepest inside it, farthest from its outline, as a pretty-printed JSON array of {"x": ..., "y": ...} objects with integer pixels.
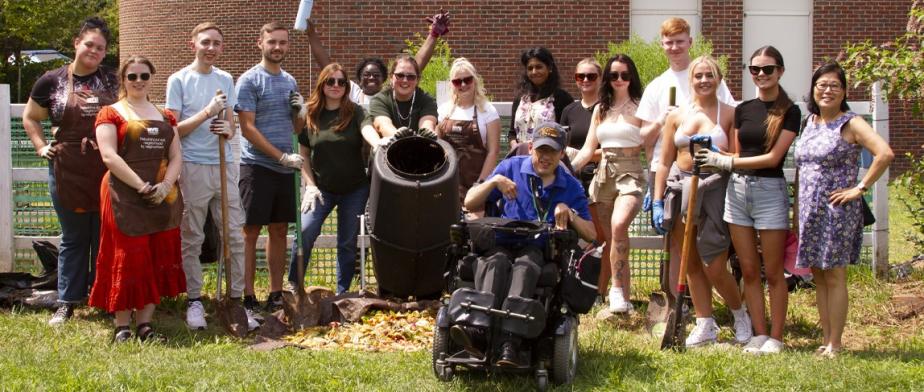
[{"x": 758, "y": 202}]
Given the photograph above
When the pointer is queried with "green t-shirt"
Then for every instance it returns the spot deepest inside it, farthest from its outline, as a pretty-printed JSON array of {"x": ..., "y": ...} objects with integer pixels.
[
  {"x": 336, "y": 157},
  {"x": 382, "y": 104}
]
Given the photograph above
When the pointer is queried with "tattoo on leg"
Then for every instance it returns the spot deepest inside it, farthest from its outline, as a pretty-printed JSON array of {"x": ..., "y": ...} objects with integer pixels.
[{"x": 622, "y": 262}]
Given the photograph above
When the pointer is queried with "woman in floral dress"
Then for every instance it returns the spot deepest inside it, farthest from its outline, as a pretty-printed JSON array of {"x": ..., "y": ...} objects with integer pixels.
[{"x": 829, "y": 207}]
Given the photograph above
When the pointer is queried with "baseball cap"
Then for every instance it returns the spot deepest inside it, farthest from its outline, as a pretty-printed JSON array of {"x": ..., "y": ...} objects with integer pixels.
[{"x": 549, "y": 134}]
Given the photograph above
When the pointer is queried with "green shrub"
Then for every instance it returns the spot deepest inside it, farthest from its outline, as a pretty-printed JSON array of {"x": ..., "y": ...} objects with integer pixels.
[
  {"x": 650, "y": 59},
  {"x": 438, "y": 67},
  {"x": 913, "y": 181}
]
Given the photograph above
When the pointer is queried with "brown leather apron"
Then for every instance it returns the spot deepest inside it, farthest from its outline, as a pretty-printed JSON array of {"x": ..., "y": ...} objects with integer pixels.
[
  {"x": 145, "y": 148},
  {"x": 465, "y": 138},
  {"x": 78, "y": 164}
]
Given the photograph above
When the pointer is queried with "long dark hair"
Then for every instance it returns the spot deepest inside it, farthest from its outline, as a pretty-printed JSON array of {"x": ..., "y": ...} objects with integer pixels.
[
  {"x": 316, "y": 101},
  {"x": 608, "y": 95},
  {"x": 777, "y": 112},
  {"x": 831, "y": 66},
  {"x": 96, "y": 24},
  {"x": 552, "y": 83}
]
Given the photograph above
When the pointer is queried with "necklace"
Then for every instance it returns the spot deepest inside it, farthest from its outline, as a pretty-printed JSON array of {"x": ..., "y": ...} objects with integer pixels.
[{"x": 402, "y": 119}]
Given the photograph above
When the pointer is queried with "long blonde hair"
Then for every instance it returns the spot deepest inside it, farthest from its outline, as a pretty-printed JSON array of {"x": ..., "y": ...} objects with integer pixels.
[{"x": 462, "y": 64}]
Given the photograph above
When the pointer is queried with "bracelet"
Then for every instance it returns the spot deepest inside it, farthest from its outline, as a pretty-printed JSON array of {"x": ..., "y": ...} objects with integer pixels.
[{"x": 862, "y": 187}]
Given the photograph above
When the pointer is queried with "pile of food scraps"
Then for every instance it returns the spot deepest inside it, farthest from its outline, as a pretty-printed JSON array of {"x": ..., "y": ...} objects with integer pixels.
[{"x": 377, "y": 331}]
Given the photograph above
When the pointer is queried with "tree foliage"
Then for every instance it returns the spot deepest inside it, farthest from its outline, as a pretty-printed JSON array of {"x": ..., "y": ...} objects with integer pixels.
[
  {"x": 898, "y": 63},
  {"x": 439, "y": 65}
]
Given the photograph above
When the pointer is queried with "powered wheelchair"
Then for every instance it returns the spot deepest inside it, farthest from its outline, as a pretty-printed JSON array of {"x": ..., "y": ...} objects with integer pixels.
[{"x": 545, "y": 325}]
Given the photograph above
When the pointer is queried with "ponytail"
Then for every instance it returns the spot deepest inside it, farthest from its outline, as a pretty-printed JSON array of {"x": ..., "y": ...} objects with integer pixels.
[{"x": 775, "y": 116}]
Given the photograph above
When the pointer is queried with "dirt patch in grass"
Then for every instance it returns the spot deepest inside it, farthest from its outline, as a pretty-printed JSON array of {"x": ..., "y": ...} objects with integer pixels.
[{"x": 907, "y": 301}]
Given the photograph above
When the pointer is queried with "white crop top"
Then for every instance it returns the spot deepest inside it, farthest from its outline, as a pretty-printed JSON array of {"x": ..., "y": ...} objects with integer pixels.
[
  {"x": 717, "y": 134},
  {"x": 618, "y": 135}
]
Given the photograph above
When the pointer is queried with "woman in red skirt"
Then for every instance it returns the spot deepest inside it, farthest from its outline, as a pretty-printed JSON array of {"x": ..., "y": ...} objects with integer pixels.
[{"x": 140, "y": 209}]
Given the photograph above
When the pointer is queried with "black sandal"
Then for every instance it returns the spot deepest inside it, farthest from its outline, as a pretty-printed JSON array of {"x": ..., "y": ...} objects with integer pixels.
[
  {"x": 146, "y": 333},
  {"x": 122, "y": 334}
]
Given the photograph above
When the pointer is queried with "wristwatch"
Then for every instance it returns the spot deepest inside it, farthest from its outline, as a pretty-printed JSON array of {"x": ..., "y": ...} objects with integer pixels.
[{"x": 862, "y": 187}]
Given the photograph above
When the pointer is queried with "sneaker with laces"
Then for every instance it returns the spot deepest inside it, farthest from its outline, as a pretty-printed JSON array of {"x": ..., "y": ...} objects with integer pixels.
[
  {"x": 771, "y": 346},
  {"x": 754, "y": 345},
  {"x": 743, "y": 330},
  {"x": 704, "y": 333},
  {"x": 274, "y": 301},
  {"x": 253, "y": 309},
  {"x": 64, "y": 313},
  {"x": 618, "y": 303},
  {"x": 252, "y": 322},
  {"x": 195, "y": 315}
]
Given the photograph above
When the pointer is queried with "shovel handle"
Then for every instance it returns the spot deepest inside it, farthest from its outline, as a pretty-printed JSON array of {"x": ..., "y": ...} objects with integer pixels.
[{"x": 225, "y": 229}]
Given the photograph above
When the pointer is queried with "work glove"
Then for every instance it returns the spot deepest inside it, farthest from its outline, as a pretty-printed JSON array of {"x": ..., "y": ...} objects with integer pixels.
[
  {"x": 657, "y": 217},
  {"x": 707, "y": 158},
  {"x": 216, "y": 105},
  {"x": 221, "y": 128},
  {"x": 439, "y": 23},
  {"x": 311, "y": 198},
  {"x": 403, "y": 132},
  {"x": 297, "y": 102},
  {"x": 47, "y": 152},
  {"x": 157, "y": 193},
  {"x": 704, "y": 140},
  {"x": 646, "y": 202},
  {"x": 427, "y": 133},
  {"x": 292, "y": 161}
]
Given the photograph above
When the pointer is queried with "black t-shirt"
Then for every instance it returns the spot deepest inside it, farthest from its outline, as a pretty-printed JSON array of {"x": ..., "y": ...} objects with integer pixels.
[
  {"x": 336, "y": 157},
  {"x": 382, "y": 104},
  {"x": 50, "y": 90},
  {"x": 577, "y": 118},
  {"x": 562, "y": 100},
  {"x": 750, "y": 117}
]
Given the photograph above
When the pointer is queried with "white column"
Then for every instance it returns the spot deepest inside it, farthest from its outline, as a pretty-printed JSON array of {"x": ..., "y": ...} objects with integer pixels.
[
  {"x": 880, "y": 111},
  {"x": 7, "y": 248}
]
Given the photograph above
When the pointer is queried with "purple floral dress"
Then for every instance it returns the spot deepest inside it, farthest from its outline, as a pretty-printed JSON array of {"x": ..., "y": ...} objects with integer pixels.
[{"x": 829, "y": 236}]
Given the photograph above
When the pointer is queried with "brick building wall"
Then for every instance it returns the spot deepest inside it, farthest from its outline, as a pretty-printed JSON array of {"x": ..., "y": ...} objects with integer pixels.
[{"x": 490, "y": 33}]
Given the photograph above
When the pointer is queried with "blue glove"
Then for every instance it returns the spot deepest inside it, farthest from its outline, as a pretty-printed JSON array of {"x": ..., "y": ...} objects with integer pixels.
[
  {"x": 646, "y": 202},
  {"x": 657, "y": 216},
  {"x": 702, "y": 140}
]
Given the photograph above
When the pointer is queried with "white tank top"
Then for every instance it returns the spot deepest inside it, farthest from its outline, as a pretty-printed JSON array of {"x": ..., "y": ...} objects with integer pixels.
[{"x": 618, "y": 135}]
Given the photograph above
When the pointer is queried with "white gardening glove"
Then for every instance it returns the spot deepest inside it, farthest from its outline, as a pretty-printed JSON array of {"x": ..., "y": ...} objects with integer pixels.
[
  {"x": 217, "y": 103},
  {"x": 311, "y": 198},
  {"x": 47, "y": 152},
  {"x": 222, "y": 128},
  {"x": 707, "y": 158},
  {"x": 157, "y": 194},
  {"x": 298, "y": 103},
  {"x": 292, "y": 161}
]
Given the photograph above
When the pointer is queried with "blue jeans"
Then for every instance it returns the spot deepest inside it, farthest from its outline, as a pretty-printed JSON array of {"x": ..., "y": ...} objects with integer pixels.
[
  {"x": 78, "y": 249},
  {"x": 349, "y": 207}
]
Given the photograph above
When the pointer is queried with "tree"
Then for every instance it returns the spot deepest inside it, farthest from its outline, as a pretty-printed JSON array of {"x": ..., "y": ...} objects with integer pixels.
[{"x": 898, "y": 63}]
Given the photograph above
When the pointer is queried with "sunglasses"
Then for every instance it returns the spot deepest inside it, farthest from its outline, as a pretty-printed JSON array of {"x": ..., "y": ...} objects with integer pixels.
[
  {"x": 133, "y": 76},
  {"x": 406, "y": 76},
  {"x": 589, "y": 77},
  {"x": 767, "y": 69},
  {"x": 467, "y": 80},
  {"x": 331, "y": 82},
  {"x": 624, "y": 75}
]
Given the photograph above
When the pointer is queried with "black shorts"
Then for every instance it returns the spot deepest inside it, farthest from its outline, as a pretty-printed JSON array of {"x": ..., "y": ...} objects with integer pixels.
[{"x": 266, "y": 195}]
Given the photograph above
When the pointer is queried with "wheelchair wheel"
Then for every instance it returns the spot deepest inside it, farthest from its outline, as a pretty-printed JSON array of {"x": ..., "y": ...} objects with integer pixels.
[
  {"x": 441, "y": 345},
  {"x": 564, "y": 356}
]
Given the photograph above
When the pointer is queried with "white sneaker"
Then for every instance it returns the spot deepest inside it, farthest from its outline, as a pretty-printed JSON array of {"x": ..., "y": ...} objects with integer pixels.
[
  {"x": 743, "y": 330},
  {"x": 252, "y": 322},
  {"x": 754, "y": 345},
  {"x": 771, "y": 346},
  {"x": 618, "y": 303},
  {"x": 253, "y": 315},
  {"x": 195, "y": 315},
  {"x": 704, "y": 333}
]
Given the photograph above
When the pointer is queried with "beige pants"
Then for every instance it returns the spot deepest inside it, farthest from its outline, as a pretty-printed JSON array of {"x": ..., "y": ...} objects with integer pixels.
[{"x": 201, "y": 187}]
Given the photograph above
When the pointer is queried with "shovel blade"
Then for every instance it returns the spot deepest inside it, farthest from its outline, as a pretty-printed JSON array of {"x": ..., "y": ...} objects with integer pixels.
[
  {"x": 659, "y": 305},
  {"x": 233, "y": 317},
  {"x": 300, "y": 311}
]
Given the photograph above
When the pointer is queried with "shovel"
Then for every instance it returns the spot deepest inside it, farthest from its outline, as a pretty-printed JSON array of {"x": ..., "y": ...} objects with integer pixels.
[
  {"x": 676, "y": 322},
  {"x": 298, "y": 307},
  {"x": 230, "y": 313},
  {"x": 660, "y": 302}
]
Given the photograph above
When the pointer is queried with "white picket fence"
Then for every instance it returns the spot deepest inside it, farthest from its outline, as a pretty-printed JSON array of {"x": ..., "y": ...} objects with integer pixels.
[{"x": 9, "y": 242}]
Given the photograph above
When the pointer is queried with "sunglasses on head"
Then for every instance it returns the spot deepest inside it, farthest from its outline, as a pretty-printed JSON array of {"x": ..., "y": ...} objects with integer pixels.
[
  {"x": 467, "y": 80},
  {"x": 624, "y": 75},
  {"x": 590, "y": 77},
  {"x": 767, "y": 69},
  {"x": 133, "y": 76},
  {"x": 331, "y": 82},
  {"x": 406, "y": 76}
]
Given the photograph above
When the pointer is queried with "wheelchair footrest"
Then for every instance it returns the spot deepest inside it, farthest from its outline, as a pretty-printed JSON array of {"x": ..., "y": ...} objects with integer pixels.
[{"x": 497, "y": 312}]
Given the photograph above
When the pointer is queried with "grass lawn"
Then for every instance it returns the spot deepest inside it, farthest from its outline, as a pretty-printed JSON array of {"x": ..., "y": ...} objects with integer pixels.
[{"x": 885, "y": 353}]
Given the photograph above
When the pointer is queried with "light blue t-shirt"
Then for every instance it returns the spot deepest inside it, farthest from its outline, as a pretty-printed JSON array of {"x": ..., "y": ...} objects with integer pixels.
[
  {"x": 188, "y": 92},
  {"x": 267, "y": 95}
]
